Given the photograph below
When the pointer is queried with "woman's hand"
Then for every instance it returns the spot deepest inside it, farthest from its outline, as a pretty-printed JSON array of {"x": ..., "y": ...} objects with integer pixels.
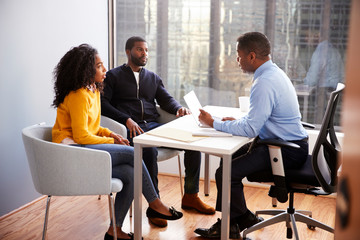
[{"x": 118, "y": 139}]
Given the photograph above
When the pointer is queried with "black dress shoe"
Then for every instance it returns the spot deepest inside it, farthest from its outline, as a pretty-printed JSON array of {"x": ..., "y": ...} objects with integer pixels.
[
  {"x": 109, "y": 237},
  {"x": 247, "y": 220},
  {"x": 151, "y": 213},
  {"x": 215, "y": 231}
]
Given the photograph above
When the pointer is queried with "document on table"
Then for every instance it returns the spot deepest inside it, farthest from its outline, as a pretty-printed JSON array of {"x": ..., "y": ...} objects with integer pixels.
[
  {"x": 210, "y": 132},
  {"x": 175, "y": 134}
]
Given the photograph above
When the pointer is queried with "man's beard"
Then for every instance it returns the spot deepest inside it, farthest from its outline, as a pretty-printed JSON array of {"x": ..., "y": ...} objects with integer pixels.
[{"x": 137, "y": 62}]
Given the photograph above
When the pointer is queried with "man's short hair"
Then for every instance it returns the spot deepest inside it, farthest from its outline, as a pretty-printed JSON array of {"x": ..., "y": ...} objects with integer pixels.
[
  {"x": 254, "y": 42},
  {"x": 131, "y": 42}
]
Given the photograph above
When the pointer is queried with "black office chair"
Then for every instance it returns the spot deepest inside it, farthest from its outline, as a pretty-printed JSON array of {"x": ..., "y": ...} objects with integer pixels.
[{"x": 318, "y": 175}]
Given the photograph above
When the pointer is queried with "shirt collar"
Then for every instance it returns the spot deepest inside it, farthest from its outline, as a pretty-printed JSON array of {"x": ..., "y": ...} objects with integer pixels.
[{"x": 262, "y": 68}]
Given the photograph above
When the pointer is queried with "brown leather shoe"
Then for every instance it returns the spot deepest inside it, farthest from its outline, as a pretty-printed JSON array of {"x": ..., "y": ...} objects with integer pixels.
[
  {"x": 158, "y": 222},
  {"x": 192, "y": 201}
]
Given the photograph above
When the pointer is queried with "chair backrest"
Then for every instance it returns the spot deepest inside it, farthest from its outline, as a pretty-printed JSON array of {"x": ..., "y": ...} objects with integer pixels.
[
  {"x": 164, "y": 117},
  {"x": 113, "y": 126},
  {"x": 63, "y": 170},
  {"x": 325, "y": 155}
]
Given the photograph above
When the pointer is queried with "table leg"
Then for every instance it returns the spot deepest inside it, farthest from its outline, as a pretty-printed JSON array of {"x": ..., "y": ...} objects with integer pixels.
[
  {"x": 225, "y": 207},
  {"x": 207, "y": 177},
  {"x": 137, "y": 191}
]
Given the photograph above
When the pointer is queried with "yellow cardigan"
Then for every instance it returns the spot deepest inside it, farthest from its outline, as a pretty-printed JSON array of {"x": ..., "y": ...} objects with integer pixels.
[{"x": 78, "y": 118}]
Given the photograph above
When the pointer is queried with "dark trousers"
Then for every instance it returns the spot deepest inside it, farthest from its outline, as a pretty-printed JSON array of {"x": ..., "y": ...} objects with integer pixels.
[
  {"x": 244, "y": 164},
  {"x": 192, "y": 162}
]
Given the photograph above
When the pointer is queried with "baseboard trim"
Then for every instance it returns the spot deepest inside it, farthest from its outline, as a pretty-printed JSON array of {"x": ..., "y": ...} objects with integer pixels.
[{"x": 22, "y": 207}]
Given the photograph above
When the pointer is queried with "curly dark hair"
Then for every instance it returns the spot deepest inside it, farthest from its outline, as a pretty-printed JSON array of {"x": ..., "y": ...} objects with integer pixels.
[{"x": 75, "y": 70}]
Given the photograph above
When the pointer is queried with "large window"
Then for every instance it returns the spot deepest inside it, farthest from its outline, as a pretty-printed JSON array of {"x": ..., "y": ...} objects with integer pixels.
[{"x": 192, "y": 45}]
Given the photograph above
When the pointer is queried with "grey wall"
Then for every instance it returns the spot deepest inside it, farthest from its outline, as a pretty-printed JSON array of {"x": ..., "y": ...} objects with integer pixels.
[{"x": 34, "y": 35}]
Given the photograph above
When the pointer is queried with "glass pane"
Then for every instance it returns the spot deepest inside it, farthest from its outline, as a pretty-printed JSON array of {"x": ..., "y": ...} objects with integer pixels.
[{"x": 192, "y": 45}]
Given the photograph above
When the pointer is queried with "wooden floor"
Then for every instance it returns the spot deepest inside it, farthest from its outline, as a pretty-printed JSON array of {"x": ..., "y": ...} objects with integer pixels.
[{"x": 88, "y": 218}]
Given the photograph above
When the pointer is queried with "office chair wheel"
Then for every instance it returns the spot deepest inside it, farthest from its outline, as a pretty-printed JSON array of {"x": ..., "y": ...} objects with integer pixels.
[
  {"x": 288, "y": 233},
  {"x": 311, "y": 227}
]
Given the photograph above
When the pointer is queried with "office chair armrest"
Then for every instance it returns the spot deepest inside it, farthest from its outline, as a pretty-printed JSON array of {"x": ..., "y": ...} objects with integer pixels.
[
  {"x": 278, "y": 143},
  {"x": 165, "y": 117},
  {"x": 308, "y": 125},
  {"x": 279, "y": 189},
  {"x": 72, "y": 170}
]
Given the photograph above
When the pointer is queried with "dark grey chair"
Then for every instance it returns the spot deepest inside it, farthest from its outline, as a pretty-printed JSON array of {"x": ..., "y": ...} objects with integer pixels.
[{"x": 318, "y": 175}]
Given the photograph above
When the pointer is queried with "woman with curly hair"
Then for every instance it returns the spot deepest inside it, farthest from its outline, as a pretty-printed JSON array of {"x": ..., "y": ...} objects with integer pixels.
[{"x": 79, "y": 80}]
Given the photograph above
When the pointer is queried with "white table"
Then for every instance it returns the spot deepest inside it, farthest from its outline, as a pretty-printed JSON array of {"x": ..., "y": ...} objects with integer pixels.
[{"x": 223, "y": 147}]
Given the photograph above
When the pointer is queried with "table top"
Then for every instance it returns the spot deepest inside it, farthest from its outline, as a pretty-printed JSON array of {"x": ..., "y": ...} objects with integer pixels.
[{"x": 211, "y": 145}]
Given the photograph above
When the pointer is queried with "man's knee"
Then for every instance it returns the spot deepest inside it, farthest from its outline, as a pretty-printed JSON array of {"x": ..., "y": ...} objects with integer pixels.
[
  {"x": 218, "y": 174},
  {"x": 150, "y": 154},
  {"x": 192, "y": 161},
  {"x": 192, "y": 155}
]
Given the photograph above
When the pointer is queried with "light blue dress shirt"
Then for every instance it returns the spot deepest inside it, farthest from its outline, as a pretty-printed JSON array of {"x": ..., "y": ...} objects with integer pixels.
[{"x": 274, "y": 108}]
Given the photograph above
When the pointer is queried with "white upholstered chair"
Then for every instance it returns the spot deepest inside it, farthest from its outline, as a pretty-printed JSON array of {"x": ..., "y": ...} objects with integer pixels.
[{"x": 63, "y": 170}]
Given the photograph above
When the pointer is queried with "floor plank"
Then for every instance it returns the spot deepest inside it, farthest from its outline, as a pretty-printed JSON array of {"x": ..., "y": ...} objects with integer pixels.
[{"x": 88, "y": 218}]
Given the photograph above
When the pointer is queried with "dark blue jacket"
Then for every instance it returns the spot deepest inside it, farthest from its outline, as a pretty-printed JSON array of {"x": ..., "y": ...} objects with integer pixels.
[{"x": 122, "y": 100}]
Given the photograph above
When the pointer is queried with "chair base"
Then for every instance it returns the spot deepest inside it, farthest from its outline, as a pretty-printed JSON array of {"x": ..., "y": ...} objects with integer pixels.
[
  {"x": 290, "y": 218},
  {"x": 111, "y": 212}
]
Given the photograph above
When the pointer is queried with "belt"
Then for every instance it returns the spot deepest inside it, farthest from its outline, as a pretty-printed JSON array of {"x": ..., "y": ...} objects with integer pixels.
[{"x": 301, "y": 140}]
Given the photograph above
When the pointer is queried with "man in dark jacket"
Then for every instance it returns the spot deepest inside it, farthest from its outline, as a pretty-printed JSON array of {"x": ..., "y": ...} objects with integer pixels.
[{"x": 129, "y": 98}]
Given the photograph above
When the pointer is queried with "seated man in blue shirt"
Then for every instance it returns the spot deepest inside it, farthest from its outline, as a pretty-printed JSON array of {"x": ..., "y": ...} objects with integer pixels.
[{"x": 274, "y": 113}]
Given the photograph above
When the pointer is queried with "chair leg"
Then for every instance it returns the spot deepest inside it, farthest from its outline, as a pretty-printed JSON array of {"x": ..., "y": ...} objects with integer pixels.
[
  {"x": 112, "y": 213},
  {"x": 46, "y": 217},
  {"x": 304, "y": 212},
  {"x": 270, "y": 212},
  {"x": 278, "y": 218},
  {"x": 310, "y": 222},
  {"x": 293, "y": 226},
  {"x": 99, "y": 197},
  {"x": 181, "y": 179}
]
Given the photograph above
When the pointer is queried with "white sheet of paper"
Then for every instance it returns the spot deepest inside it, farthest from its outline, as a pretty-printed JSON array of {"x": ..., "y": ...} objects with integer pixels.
[{"x": 194, "y": 105}]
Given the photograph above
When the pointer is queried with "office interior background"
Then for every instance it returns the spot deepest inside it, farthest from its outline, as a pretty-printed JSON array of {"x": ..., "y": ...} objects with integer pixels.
[{"x": 191, "y": 46}]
